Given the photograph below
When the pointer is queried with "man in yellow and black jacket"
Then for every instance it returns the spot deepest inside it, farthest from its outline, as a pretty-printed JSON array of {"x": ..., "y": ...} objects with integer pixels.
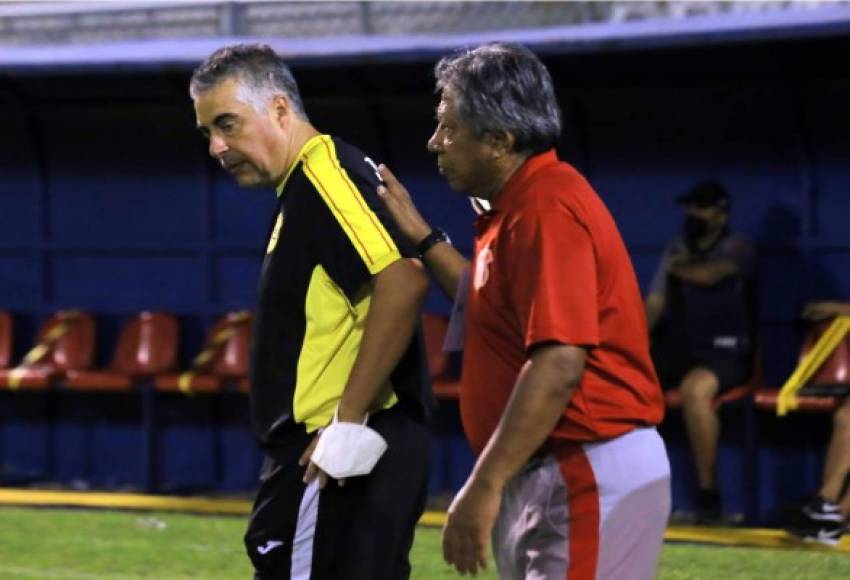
[{"x": 339, "y": 383}]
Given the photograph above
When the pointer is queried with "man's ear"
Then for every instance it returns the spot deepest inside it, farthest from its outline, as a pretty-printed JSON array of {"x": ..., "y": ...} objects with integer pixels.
[
  {"x": 501, "y": 142},
  {"x": 282, "y": 109}
]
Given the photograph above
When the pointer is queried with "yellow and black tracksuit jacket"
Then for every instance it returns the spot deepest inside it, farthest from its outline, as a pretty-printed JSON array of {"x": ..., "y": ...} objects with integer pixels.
[{"x": 329, "y": 236}]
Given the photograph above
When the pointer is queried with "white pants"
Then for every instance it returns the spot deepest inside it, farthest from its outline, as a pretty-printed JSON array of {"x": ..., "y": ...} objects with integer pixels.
[{"x": 586, "y": 512}]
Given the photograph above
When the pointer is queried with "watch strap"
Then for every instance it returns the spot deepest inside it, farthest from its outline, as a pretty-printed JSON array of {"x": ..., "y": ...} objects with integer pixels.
[{"x": 436, "y": 236}]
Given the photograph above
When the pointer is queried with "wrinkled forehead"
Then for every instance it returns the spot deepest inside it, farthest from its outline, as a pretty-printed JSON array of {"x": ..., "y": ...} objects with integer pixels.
[
  {"x": 221, "y": 99},
  {"x": 448, "y": 103}
]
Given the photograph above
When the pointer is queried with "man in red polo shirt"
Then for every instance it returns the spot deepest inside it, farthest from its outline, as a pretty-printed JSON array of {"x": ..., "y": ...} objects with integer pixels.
[{"x": 558, "y": 396}]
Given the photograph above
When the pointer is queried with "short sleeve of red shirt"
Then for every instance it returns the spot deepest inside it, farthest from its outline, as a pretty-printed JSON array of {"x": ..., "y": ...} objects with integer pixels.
[{"x": 553, "y": 269}]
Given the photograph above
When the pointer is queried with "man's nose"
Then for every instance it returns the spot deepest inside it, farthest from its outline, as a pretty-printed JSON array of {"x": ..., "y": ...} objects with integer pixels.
[{"x": 217, "y": 146}]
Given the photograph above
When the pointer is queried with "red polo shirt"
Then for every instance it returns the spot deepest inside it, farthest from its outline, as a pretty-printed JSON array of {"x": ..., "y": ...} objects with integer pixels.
[{"x": 550, "y": 266}]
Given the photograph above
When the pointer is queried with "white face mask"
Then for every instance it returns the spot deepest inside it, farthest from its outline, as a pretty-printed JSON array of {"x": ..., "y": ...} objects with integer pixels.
[{"x": 348, "y": 450}]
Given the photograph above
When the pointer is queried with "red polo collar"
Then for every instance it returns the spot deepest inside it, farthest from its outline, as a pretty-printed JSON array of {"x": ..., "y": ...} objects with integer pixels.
[{"x": 513, "y": 190}]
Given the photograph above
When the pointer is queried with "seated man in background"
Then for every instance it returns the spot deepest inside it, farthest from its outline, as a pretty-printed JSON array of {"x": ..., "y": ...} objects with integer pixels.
[
  {"x": 701, "y": 314},
  {"x": 826, "y": 516}
]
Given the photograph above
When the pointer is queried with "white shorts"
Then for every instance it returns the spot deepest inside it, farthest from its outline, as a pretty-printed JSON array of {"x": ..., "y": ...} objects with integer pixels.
[{"x": 586, "y": 512}]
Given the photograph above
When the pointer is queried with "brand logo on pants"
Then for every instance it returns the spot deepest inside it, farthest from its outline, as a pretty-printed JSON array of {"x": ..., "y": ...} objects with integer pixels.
[{"x": 269, "y": 546}]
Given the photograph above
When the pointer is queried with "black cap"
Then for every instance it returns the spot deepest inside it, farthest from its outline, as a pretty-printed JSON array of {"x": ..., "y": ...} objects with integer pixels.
[{"x": 706, "y": 194}]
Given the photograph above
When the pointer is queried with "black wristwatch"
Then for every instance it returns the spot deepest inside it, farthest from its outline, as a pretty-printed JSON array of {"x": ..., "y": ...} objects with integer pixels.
[{"x": 435, "y": 237}]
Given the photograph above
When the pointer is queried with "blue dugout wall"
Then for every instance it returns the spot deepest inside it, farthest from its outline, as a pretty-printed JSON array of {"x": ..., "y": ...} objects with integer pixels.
[{"x": 108, "y": 202}]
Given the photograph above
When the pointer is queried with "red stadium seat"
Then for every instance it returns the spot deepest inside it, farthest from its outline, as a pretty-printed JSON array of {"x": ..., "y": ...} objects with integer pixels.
[
  {"x": 834, "y": 373},
  {"x": 5, "y": 340},
  {"x": 222, "y": 364},
  {"x": 233, "y": 360},
  {"x": 147, "y": 346},
  {"x": 65, "y": 342},
  {"x": 445, "y": 383},
  {"x": 827, "y": 388}
]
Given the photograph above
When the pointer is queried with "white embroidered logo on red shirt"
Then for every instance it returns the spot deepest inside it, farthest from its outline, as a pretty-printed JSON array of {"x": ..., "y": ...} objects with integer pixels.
[{"x": 482, "y": 267}]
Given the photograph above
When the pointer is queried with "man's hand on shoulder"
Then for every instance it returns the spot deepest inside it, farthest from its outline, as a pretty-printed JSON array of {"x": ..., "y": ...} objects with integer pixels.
[{"x": 401, "y": 207}]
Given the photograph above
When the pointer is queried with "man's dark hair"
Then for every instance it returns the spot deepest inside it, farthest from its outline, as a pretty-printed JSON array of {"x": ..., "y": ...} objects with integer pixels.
[
  {"x": 261, "y": 72},
  {"x": 503, "y": 87}
]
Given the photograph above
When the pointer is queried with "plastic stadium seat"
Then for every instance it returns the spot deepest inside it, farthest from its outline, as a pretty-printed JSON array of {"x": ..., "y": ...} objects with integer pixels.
[
  {"x": 834, "y": 374},
  {"x": 222, "y": 363},
  {"x": 5, "y": 340},
  {"x": 65, "y": 342},
  {"x": 832, "y": 377},
  {"x": 444, "y": 381},
  {"x": 673, "y": 397},
  {"x": 147, "y": 346}
]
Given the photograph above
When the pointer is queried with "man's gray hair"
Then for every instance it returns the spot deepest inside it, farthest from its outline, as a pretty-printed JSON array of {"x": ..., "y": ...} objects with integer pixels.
[
  {"x": 503, "y": 87},
  {"x": 262, "y": 75}
]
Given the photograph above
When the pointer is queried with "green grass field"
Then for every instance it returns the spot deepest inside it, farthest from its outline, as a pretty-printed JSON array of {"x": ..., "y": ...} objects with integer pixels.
[{"x": 38, "y": 544}]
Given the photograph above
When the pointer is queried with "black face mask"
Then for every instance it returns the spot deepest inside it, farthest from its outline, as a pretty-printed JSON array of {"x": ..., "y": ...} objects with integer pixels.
[{"x": 694, "y": 229}]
